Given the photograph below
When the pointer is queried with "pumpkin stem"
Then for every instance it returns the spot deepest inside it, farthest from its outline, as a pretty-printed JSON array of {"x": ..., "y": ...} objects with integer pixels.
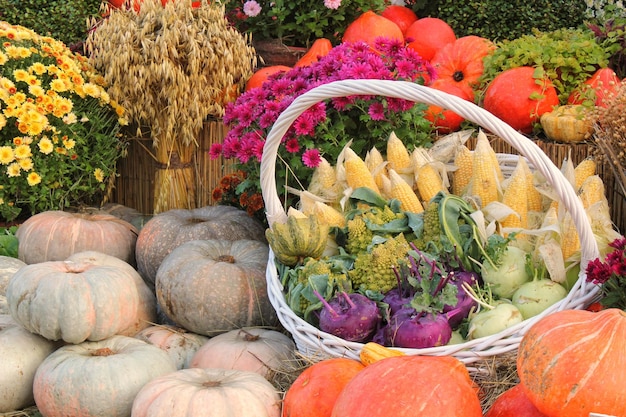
[
  {"x": 210, "y": 384},
  {"x": 226, "y": 258},
  {"x": 249, "y": 337},
  {"x": 102, "y": 352},
  {"x": 458, "y": 76}
]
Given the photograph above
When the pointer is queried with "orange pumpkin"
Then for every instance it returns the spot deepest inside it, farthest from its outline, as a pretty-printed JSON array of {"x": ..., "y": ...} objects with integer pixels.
[
  {"x": 410, "y": 386},
  {"x": 599, "y": 88},
  {"x": 445, "y": 120},
  {"x": 519, "y": 98},
  {"x": 315, "y": 390},
  {"x": 462, "y": 60},
  {"x": 571, "y": 363},
  {"x": 428, "y": 35},
  {"x": 320, "y": 48},
  {"x": 116, "y": 3},
  {"x": 370, "y": 26},
  {"x": 513, "y": 403},
  {"x": 261, "y": 75},
  {"x": 400, "y": 15}
]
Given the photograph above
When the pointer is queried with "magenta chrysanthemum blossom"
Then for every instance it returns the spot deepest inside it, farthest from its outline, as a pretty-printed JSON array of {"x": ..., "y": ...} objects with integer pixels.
[
  {"x": 304, "y": 125},
  {"x": 216, "y": 151},
  {"x": 292, "y": 145},
  {"x": 376, "y": 111},
  {"x": 311, "y": 158}
]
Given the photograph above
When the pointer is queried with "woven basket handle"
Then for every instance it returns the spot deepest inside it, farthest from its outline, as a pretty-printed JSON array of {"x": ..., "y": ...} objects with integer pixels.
[{"x": 418, "y": 93}]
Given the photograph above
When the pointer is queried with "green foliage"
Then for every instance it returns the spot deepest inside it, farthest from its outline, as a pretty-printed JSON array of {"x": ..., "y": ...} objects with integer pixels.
[
  {"x": 610, "y": 32},
  {"x": 567, "y": 57},
  {"x": 503, "y": 19},
  {"x": 65, "y": 20},
  {"x": 8, "y": 241}
]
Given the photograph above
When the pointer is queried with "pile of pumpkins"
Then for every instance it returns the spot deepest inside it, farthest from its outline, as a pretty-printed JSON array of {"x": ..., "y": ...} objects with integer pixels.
[
  {"x": 99, "y": 318},
  {"x": 95, "y": 308}
]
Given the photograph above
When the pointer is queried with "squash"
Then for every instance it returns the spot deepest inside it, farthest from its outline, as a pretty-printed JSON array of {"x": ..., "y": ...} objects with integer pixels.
[
  {"x": 320, "y": 48},
  {"x": 410, "y": 386},
  {"x": 370, "y": 26},
  {"x": 264, "y": 351},
  {"x": 568, "y": 123},
  {"x": 169, "y": 229},
  {"x": 571, "y": 363},
  {"x": 401, "y": 15},
  {"x": 373, "y": 352},
  {"x": 461, "y": 62},
  {"x": 209, "y": 393},
  {"x": 8, "y": 267},
  {"x": 598, "y": 89},
  {"x": 262, "y": 74},
  {"x": 519, "y": 98},
  {"x": 97, "y": 379},
  {"x": 428, "y": 35},
  {"x": 55, "y": 235},
  {"x": 21, "y": 352},
  {"x": 213, "y": 286},
  {"x": 513, "y": 403},
  {"x": 89, "y": 296},
  {"x": 315, "y": 390},
  {"x": 443, "y": 120},
  {"x": 179, "y": 344}
]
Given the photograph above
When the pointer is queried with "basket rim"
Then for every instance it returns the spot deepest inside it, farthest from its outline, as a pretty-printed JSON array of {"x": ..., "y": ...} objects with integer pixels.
[{"x": 312, "y": 340}]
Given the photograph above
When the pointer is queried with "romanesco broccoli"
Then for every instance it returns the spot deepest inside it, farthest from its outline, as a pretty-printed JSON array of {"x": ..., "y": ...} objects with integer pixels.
[
  {"x": 373, "y": 270},
  {"x": 431, "y": 234},
  {"x": 359, "y": 236}
]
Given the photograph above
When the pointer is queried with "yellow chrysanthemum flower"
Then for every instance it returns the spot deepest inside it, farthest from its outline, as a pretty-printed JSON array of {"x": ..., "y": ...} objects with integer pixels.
[
  {"x": 58, "y": 85},
  {"x": 22, "y": 151},
  {"x": 45, "y": 146},
  {"x": 6, "y": 155},
  {"x": 20, "y": 75},
  {"x": 3, "y": 121},
  {"x": 91, "y": 90},
  {"x": 69, "y": 143},
  {"x": 36, "y": 90},
  {"x": 70, "y": 118},
  {"x": 38, "y": 68},
  {"x": 33, "y": 179},
  {"x": 62, "y": 106},
  {"x": 13, "y": 170},
  {"x": 99, "y": 174},
  {"x": 3, "y": 58},
  {"x": 26, "y": 164}
]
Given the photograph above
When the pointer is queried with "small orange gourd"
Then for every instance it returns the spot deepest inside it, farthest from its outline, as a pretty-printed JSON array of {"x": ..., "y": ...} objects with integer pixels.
[
  {"x": 320, "y": 48},
  {"x": 571, "y": 363},
  {"x": 370, "y": 26}
]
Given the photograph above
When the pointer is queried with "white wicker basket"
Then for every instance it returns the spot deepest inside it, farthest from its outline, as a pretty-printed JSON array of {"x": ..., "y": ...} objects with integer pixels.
[{"x": 315, "y": 343}]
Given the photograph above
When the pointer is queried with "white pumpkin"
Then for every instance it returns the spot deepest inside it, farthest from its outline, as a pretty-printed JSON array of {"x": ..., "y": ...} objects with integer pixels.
[
  {"x": 259, "y": 350},
  {"x": 8, "y": 267},
  {"x": 179, "y": 344},
  {"x": 90, "y": 296},
  {"x": 97, "y": 379},
  {"x": 21, "y": 352},
  {"x": 208, "y": 393}
]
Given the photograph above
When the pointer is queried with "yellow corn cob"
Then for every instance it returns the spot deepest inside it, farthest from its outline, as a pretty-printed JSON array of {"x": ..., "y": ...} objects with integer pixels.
[
  {"x": 592, "y": 191},
  {"x": 428, "y": 182},
  {"x": 329, "y": 215},
  {"x": 463, "y": 173},
  {"x": 492, "y": 154},
  {"x": 485, "y": 182},
  {"x": 373, "y": 352},
  {"x": 398, "y": 156},
  {"x": 376, "y": 164},
  {"x": 402, "y": 191},
  {"x": 357, "y": 174},
  {"x": 585, "y": 169},
  {"x": 535, "y": 199},
  {"x": 516, "y": 196},
  {"x": 570, "y": 242},
  {"x": 324, "y": 180}
]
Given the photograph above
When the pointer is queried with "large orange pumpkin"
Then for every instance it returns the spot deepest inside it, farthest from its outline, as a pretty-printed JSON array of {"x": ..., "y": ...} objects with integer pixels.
[
  {"x": 519, "y": 97},
  {"x": 315, "y": 390},
  {"x": 462, "y": 60},
  {"x": 571, "y": 363},
  {"x": 599, "y": 88},
  {"x": 445, "y": 120},
  {"x": 370, "y": 26},
  {"x": 513, "y": 403},
  {"x": 410, "y": 386},
  {"x": 400, "y": 15},
  {"x": 428, "y": 35}
]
